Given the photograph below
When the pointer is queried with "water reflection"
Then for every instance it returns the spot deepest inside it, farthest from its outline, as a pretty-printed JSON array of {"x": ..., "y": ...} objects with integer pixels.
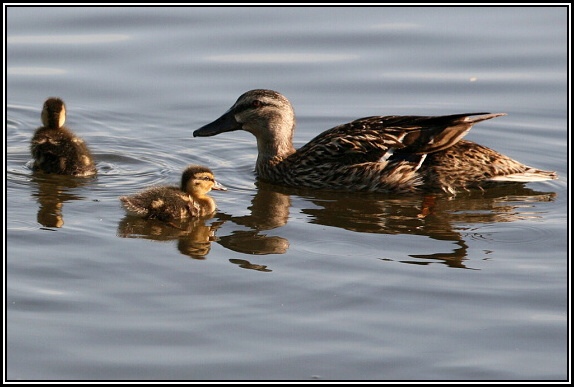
[
  {"x": 194, "y": 235},
  {"x": 52, "y": 192},
  {"x": 438, "y": 217},
  {"x": 269, "y": 210},
  {"x": 253, "y": 242},
  {"x": 248, "y": 265}
]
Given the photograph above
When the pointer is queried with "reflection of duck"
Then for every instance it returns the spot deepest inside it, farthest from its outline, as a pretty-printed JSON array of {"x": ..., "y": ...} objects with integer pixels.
[
  {"x": 55, "y": 148},
  {"x": 434, "y": 216},
  {"x": 269, "y": 210},
  {"x": 52, "y": 193},
  {"x": 194, "y": 236},
  {"x": 169, "y": 202},
  {"x": 253, "y": 242},
  {"x": 242, "y": 263},
  {"x": 197, "y": 242},
  {"x": 376, "y": 154}
]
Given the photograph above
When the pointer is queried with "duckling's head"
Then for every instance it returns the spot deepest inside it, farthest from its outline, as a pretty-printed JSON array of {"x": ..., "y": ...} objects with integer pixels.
[
  {"x": 197, "y": 180},
  {"x": 266, "y": 114},
  {"x": 54, "y": 113}
]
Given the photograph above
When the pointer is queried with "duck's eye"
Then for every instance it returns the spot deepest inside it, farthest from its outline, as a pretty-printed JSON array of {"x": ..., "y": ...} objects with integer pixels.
[{"x": 257, "y": 103}]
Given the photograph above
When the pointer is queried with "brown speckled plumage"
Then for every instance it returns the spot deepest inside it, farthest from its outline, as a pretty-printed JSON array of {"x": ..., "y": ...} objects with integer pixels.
[
  {"x": 55, "y": 148},
  {"x": 375, "y": 154},
  {"x": 168, "y": 203}
]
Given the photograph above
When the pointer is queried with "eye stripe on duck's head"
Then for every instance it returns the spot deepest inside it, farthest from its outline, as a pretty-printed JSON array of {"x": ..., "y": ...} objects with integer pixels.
[
  {"x": 257, "y": 99},
  {"x": 199, "y": 179},
  {"x": 255, "y": 111},
  {"x": 192, "y": 172},
  {"x": 269, "y": 116}
]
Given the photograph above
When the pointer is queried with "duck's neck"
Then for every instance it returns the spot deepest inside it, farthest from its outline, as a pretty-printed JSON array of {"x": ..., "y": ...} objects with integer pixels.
[{"x": 273, "y": 146}]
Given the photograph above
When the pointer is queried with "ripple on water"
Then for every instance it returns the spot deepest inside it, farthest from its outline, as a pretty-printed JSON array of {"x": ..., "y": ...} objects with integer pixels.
[{"x": 511, "y": 233}]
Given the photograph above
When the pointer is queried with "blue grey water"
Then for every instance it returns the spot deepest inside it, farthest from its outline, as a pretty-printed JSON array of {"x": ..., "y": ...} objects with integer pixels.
[{"x": 284, "y": 284}]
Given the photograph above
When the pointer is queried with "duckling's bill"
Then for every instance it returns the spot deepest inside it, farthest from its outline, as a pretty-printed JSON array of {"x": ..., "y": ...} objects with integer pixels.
[{"x": 218, "y": 187}]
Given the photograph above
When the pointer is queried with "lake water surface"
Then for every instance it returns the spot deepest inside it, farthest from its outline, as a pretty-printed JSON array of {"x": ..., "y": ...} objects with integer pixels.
[{"x": 284, "y": 284}]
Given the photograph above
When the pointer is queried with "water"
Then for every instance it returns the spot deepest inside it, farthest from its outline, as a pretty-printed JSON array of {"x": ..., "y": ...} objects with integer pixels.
[{"x": 284, "y": 284}]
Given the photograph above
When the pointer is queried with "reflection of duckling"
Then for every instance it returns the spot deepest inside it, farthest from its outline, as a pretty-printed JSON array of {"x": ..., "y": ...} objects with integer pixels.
[
  {"x": 169, "y": 203},
  {"x": 55, "y": 148}
]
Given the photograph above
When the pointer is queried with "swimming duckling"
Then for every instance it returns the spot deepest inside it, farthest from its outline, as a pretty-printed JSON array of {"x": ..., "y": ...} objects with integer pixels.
[
  {"x": 376, "y": 154},
  {"x": 170, "y": 202},
  {"x": 55, "y": 148}
]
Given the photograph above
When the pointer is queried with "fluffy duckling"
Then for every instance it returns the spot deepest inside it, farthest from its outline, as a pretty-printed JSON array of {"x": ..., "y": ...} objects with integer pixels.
[
  {"x": 55, "y": 148},
  {"x": 376, "y": 154},
  {"x": 168, "y": 203}
]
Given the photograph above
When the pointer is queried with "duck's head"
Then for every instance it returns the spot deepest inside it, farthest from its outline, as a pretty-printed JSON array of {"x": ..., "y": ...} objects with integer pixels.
[
  {"x": 266, "y": 114},
  {"x": 197, "y": 180},
  {"x": 54, "y": 113}
]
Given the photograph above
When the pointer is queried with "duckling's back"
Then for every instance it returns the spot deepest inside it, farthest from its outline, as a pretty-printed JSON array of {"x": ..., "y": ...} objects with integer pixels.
[
  {"x": 60, "y": 151},
  {"x": 163, "y": 203}
]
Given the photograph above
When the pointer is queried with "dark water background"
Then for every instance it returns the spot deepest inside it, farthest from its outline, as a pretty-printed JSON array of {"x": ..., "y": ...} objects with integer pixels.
[{"x": 284, "y": 284}]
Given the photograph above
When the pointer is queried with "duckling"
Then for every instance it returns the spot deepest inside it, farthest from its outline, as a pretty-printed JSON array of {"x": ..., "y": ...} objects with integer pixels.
[
  {"x": 394, "y": 154},
  {"x": 168, "y": 203},
  {"x": 55, "y": 148}
]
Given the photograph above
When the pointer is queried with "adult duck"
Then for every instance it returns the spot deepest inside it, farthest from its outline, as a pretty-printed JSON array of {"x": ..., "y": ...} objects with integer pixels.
[{"x": 375, "y": 154}]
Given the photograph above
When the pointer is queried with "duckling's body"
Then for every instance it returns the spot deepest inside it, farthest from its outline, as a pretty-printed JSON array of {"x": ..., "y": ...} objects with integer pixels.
[
  {"x": 55, "y": 148},
  {"x": 375, "y": 154},
  {"x": 170, "y": 202}
]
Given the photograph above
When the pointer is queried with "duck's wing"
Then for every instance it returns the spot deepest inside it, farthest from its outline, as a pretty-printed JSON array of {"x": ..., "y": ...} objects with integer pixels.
[{"x": 378, "y": 137}]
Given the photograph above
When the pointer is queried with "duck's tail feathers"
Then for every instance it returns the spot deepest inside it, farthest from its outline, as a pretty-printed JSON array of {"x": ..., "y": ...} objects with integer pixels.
[
  {"x": 133, "y": 208},
  {"x": 473, "y": 118},
  {"x": 530, "y": 175}
]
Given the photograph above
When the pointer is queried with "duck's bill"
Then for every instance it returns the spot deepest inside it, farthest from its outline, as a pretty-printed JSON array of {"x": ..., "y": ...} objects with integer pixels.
[
  {"x": 218, "y": 187},
  {"x": 225, "y": 123}
]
